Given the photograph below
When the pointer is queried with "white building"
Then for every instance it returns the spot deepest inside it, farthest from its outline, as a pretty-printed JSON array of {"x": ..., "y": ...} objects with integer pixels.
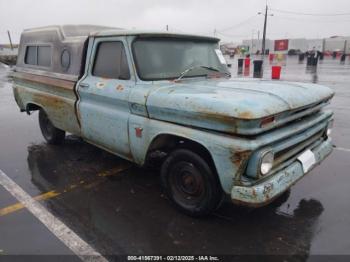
[
  {"x": 337, "y": 44},
  {"x": 303, "y": 44},
  {"x": 298, "y": 44},
  {"x": 315, "y": 43}
]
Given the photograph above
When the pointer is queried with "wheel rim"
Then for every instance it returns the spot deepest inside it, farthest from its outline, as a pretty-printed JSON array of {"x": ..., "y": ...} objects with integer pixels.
[{"x": 187, "y": 184}]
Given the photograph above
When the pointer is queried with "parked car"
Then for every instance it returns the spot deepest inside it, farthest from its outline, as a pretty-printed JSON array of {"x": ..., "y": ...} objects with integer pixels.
[
  {"x": 134, "y": 93},
  {"x": 294, "y": 52}
]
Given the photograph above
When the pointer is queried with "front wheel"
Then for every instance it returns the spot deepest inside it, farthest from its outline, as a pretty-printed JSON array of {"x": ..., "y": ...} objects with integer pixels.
[
  {"x": 190, "y": 183},
  {"x": 51, "y": 134}
]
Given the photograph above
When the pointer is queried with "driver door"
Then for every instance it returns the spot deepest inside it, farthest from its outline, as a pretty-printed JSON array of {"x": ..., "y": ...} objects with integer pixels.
[{"x": 103, "y": 96}]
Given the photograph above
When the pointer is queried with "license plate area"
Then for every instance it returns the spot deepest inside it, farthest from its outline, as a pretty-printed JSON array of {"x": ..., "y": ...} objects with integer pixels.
[{"x": 307, "y": 160}]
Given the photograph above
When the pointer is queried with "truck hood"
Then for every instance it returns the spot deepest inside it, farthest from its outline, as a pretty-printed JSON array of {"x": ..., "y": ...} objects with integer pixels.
[{"x": 223, "y": 104}]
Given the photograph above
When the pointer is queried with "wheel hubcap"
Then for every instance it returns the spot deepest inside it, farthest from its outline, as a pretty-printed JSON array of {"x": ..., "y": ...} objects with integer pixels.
[{"x": 187, "y": 183}]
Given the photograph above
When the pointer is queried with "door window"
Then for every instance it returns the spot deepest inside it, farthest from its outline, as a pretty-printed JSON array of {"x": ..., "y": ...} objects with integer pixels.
[{"x": 110, "y": 61}]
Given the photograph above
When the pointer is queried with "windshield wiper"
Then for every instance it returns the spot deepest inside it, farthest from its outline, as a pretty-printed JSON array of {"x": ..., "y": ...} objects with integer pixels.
[{"x": 194, "y": 67}]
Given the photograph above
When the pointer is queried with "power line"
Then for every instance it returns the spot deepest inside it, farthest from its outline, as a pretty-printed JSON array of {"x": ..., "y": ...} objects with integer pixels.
[
  {"x": 310, "y": 20},
  {"x": 229, "y": 35},
  {"x": 309, "y": 14},
  {"x": 237, "y": 25}
]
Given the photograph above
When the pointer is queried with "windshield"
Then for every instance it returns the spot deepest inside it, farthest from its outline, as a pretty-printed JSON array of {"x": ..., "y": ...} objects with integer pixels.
[{"x": 168, "y": 58}]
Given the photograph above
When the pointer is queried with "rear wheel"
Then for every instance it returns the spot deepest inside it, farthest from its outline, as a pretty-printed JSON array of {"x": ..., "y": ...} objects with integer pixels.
[
  {"x": 190, "y": 183},
  {"x": 51, "y": 134}
]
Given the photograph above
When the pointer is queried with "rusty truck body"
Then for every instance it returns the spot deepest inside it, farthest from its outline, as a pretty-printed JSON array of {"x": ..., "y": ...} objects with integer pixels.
[{"x": 135, "y": 93}]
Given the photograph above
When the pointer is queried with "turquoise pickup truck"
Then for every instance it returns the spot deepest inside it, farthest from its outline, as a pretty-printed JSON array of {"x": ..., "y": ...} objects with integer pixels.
[{"x": 144, "y": 95}]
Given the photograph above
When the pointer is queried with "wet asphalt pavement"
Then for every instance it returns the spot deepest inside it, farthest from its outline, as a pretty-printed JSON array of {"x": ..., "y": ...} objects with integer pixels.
[{"x": 119, "y": 208}]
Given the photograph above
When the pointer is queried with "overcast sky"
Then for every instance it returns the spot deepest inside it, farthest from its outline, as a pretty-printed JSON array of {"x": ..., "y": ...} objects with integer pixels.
[{"x": 233, "y": 20}]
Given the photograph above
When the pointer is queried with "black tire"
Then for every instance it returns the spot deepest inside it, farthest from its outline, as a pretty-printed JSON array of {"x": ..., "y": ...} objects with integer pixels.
[
  {"x": 51, "y": 134},
  {"x": 190, "y": 183}
]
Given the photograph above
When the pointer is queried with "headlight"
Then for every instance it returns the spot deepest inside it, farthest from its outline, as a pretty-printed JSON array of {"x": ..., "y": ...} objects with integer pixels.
[
  {"x": 266, "y": 162},
  {"x": 329, "y": 128}
]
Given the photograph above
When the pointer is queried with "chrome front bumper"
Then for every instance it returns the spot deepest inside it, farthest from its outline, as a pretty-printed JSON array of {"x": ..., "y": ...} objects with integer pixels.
[{"x": 266, "y": 191}]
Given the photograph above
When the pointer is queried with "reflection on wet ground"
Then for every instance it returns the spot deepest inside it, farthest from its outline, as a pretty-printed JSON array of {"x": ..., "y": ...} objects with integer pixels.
[
  {"x": 119, "y": 208},
  {"x": 127, "y": 212}
]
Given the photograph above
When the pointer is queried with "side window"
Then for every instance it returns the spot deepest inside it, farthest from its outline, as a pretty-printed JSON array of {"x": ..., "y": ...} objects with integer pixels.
[
  {"x": 38, "y": 55},
  {"x": 31, "y": 55},
  {"x": 65, "y": 59},
  {"x": 44, "y": 56},
  {"x": 110, "y": 61}
]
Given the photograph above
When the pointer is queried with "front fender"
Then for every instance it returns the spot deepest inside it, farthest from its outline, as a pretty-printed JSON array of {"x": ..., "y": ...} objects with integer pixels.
[{"x": 229, "y": 153}]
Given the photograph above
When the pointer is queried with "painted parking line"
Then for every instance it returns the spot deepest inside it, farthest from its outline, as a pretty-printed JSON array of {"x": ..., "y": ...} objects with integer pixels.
[
  {"x": 82, "y": 249},
  {"x": 18, "y": 206},
  {"x": 342, "y": 149},
  {"x": 52, "y": 194}
]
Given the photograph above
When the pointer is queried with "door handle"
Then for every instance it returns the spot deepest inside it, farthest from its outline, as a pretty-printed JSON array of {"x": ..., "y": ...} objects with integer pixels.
[{"x": 84, "y": 85}]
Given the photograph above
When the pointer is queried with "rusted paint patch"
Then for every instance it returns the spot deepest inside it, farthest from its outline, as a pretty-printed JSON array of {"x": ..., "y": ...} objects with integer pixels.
[
  {"x": 119, "y": 88},
  {"x": 216, "y": 117},
  {"x": 238, "y": 157},
  {"x": 267, "y": 189},
  {"x": 60, "y": 110},
  {"x": 246, "y": 115},
  {"x": 49, "y": 101},
  {"x": 100, "y": 85},
  {"x": 254, "y": 193},
  {"x": 66, "y": 84}
]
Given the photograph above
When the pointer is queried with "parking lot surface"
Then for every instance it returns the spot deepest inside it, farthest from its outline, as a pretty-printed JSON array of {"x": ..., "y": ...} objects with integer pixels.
[{"x": 118, "y": 208}]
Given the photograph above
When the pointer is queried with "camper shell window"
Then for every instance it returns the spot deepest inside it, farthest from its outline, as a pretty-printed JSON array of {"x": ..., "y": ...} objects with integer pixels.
[{"x": 38, "y": 55}]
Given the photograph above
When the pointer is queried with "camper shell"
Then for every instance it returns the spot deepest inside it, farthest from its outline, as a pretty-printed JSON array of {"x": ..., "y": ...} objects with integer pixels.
[{"x": 67, "y": 46}]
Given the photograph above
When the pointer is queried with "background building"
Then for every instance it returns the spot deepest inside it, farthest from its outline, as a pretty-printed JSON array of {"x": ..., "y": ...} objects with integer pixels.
[{"x": 336, "y": 43}]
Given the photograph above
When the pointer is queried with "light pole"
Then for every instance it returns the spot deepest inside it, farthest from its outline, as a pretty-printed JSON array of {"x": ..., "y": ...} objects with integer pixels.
[
  {"x": 264, "y": 32},
  {"x": 8, "y": 33}
]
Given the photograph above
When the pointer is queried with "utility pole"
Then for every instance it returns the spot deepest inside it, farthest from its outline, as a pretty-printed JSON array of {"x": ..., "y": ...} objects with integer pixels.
[
  {"x": 264, "y": 33},
  {"x": 167, "y": 27},
  {"x": 251, "y": 50},
  {"x": 345, "y": 44},
  {"x": 8, "y": 33}
]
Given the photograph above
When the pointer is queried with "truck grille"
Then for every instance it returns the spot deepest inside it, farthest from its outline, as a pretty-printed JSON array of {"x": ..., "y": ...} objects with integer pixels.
[
  {"x": 287, "y": 148},
  {"x": 294, "y": 150}
]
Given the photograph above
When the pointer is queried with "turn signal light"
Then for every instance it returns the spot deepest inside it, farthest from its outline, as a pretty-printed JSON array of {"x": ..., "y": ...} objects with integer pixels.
[{"x": 267, "y": 121}]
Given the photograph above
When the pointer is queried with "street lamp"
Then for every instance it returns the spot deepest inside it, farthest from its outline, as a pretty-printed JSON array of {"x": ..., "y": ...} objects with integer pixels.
[{"x": 264, "y": 33}]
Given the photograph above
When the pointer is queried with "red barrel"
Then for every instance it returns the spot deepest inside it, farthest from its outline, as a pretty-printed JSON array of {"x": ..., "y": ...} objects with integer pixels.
[
  {"x": 276, "y": 72},
  {"x": 246, "y": 71},
  {"x": 247, "y": 62}
]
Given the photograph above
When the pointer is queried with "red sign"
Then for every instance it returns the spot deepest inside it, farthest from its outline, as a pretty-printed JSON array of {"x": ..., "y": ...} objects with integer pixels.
[{"x": 281, "y": 45}]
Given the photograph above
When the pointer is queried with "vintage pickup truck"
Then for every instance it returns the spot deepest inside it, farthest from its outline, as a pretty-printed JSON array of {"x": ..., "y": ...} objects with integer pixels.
[{"x": 141, "y": 94}]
